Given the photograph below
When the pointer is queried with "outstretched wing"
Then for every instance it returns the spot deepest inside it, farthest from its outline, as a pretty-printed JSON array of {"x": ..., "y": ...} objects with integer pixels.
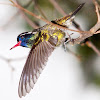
[{"x": 33, "y": 66}]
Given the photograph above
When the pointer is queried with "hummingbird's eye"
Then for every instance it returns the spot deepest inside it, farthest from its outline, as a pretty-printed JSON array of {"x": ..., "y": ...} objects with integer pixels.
[{"x": 22, "y": 37}]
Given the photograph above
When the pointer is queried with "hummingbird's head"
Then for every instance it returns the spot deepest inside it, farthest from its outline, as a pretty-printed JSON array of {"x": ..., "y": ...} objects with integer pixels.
[{"x": 24, "y": 40}]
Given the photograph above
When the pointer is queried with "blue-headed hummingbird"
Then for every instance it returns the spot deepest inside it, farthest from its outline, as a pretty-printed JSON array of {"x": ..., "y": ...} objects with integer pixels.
[{"x": 42, "y": 42}]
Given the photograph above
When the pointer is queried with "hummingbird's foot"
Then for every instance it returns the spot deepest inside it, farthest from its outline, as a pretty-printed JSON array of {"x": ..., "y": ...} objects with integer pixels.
[
  {"x": 71, "y": 39},
  {"x": 65, "y": 42}
]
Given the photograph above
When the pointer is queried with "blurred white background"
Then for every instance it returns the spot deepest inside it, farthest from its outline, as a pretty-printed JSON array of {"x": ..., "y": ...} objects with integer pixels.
[{"x": 62, "y": 78}]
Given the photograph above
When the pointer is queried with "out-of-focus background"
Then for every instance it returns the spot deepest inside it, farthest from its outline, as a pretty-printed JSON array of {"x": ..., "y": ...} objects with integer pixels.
[{"x": 65, "y": 77}]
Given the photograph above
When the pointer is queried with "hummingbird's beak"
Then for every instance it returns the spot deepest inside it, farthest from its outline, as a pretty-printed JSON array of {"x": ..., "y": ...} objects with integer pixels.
[{"x": 18, "y": 44}]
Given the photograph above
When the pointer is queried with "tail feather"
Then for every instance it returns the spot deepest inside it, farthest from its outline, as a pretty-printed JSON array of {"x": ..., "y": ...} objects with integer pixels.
[
  {"x": 62, "y": 21},
  {"x": 78, "y": 8}
]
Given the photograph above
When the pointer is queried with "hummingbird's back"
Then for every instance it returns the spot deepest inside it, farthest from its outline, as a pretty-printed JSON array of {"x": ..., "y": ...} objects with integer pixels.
[{"x": 52, "y": 34}]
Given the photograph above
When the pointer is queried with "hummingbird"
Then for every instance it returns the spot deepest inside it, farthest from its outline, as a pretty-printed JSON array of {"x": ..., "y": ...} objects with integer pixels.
[{"x": 42, "y": 42}]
